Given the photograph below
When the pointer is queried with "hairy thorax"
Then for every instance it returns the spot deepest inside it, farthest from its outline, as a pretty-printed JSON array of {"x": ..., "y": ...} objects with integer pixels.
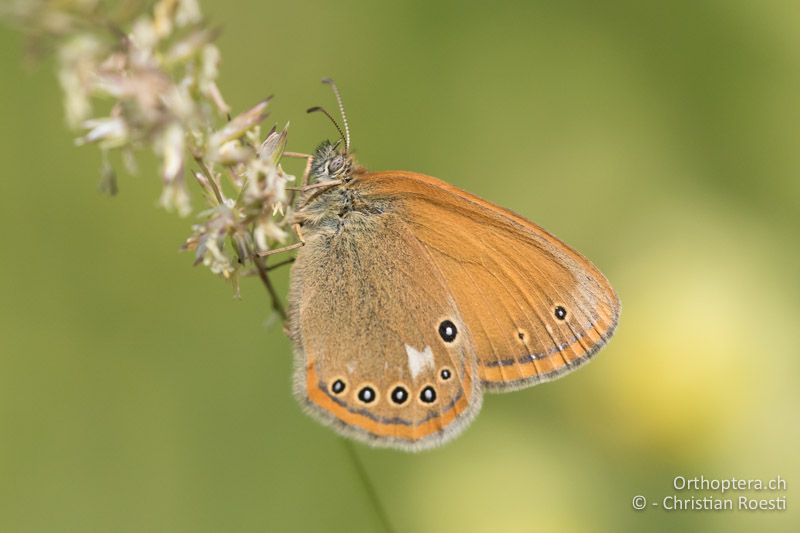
[{"x": 341, "y": 209}]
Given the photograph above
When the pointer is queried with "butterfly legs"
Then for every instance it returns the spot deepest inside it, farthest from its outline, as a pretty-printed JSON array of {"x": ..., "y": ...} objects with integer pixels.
[
  {"x": 307, "y": 172},
  {"x": 302, "y": 242},
  {"x": 295, "y": 227},
  {"x": 304, "y": 187}
]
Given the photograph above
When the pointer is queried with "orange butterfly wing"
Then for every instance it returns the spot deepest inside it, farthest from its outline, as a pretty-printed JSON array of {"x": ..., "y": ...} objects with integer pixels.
[
  {"x": 535, "y": 308},
  {"x": 365, "y": 308}
]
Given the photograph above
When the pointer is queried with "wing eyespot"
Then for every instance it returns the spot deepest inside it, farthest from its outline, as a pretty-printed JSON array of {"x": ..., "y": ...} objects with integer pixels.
[
  {"x": 399, "y": 395},
  {"x": 427, "y": 395},
  {"x": 338, "y": 386},
  {"x": 448, "y": 331},
  {"x": 445, "y": 374},
  {"x": 367, "y": 395},
  {"x": 560, "y": 312}
]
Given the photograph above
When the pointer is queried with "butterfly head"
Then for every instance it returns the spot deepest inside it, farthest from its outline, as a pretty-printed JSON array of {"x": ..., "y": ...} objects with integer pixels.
[{"x": 331, "y": 162}]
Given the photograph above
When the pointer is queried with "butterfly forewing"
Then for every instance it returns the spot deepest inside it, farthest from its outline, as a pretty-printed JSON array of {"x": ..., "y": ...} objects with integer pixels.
[{"x": 534, "y": 308}]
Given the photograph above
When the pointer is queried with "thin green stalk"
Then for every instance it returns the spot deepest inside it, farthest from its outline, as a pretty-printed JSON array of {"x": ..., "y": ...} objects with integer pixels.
[
  {"x": 372, "y": 494},
  {"x": 263, "y": 273}
]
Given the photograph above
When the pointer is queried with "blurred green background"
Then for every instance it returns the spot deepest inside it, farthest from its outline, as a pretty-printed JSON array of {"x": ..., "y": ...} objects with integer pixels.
[{"x": 659, "y": 139}]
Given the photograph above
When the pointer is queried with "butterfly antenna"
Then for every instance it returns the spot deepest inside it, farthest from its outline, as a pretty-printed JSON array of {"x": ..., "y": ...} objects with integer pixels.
[
  {"x": 341, "y": 110},
  {"x": 333, "y": 120}
]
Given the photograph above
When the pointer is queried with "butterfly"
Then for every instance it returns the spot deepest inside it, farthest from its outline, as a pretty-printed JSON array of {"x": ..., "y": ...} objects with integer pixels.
[{"x": 409, "y": 298}]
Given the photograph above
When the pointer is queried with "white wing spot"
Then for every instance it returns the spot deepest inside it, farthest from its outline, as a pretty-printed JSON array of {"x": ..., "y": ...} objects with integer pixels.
[{"x": 417, "y": 360}]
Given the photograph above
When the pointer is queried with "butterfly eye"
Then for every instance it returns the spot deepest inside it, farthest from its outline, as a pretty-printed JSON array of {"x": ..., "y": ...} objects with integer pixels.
[
  {"x": 448, "y": 331},
  {"x": 399, "y": 395},
  {"x": 367, "y": 394},
  {"x": 560, "y": 313},
  {"x": 427, "y": 395},
  {"x": 338, "y": 386},
  {"x": 335, "y": 164}
]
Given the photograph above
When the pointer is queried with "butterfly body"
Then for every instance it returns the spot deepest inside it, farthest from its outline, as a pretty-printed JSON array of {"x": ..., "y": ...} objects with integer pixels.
[{"x": 411, "y": 297}]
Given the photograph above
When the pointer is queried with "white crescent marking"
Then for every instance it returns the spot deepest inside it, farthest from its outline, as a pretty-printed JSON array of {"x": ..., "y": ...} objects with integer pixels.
[{"x": 417, "y": 360}]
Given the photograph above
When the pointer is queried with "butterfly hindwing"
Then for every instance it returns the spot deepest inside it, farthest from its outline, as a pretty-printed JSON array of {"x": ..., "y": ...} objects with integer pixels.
[{"x": 367, "y": 307}]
